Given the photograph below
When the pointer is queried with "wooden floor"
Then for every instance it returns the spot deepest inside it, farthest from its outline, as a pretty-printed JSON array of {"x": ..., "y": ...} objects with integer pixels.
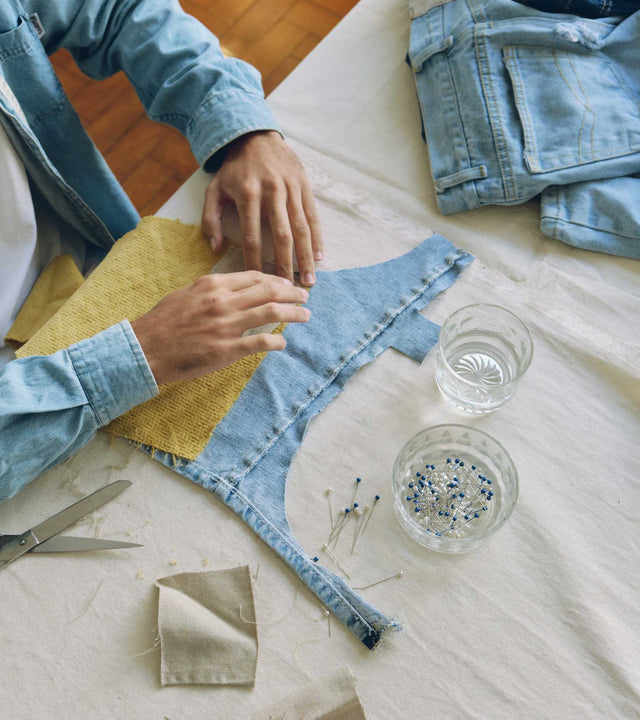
[{"x": 152, "y": 160}]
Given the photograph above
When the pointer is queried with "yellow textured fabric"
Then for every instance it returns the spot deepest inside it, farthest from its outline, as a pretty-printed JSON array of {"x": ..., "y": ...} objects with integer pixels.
[
  {"x": 156, "y": 258},
  {"x": 56, "y": 284}
]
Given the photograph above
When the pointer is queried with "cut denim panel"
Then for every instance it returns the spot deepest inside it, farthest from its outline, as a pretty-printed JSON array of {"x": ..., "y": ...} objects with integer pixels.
[
  {"x": 355, "y": 315},
  {"x": 515, "y": 101}
]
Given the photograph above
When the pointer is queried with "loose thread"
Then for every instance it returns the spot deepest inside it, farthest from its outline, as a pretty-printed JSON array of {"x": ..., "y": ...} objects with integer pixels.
[
  {"x": 154, "y": 648},
  {"x": 323, "y": 613},
  {"x": 88, "y": 603},
  {"x": 289, "y": 611},
  {"x": 244, "y": 619},
  {"x": 295, "y": 655}
]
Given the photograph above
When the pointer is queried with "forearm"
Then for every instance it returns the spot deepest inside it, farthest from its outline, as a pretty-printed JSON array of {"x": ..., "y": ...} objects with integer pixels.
[
  {"x": 51, "y": 406},
  {"x": 172, "y": 60}
]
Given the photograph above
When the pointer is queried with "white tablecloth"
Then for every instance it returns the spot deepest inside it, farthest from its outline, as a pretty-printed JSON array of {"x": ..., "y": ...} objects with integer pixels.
[{"x": 542, "y": 622}]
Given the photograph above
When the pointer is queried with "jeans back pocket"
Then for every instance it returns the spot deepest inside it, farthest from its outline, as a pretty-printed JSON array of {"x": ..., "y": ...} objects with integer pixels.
[{"x": 574, "y": 108}]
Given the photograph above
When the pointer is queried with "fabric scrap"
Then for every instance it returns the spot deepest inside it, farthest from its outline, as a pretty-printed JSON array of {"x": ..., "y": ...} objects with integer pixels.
[
  {"x": 56, "y": 284},
  {"x": 159, "y": 256},
  {"x": 207, "y": 625},
  {"x": 333, "y": 697}
]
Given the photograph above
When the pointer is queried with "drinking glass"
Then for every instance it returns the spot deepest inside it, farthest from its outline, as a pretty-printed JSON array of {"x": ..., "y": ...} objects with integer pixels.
[{"x": 483, "y": 352}]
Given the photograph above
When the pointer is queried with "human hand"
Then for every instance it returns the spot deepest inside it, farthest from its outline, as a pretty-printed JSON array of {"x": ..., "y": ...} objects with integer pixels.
[
  {"x": 262, "y": 175},
  {"x": 199, "y": 328}
]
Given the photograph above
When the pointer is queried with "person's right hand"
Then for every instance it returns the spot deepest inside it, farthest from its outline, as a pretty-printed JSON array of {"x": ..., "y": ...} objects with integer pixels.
[{"x": 199, "y": 328}]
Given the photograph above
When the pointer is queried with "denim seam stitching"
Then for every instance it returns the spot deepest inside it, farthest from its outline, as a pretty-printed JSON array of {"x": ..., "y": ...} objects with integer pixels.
[
  {"x": 517, "y": 84},
  {"x": 461, "y": 122},
  {"x": 135, "y": 350},
  {"x": 339, "y": 596},
  {"x": 70, "y": 194},
  {"x": 78, "y": 368},
  {"x": 345, "y": 361},
  {"x": 558, "y": 221},
  {"x": 216, "y": 98},
  {"x": 14, "y": 52},
  {"x": 496, "y": 131},
  {"x": 25, "y": 45},
  {"x": 232, "y": 136}
]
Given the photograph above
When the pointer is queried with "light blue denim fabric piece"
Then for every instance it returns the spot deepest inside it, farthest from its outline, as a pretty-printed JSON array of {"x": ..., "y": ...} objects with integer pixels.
[
  {"x": 51, "y": 406},
  {"x": 516, "y": 102},
  {"x": 355, "y": 315}
]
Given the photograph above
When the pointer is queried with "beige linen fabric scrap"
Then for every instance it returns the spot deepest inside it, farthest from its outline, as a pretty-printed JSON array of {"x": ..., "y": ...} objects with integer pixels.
[
  {"x": 333, "y": 697},
  {"x": 207, "y": 625}
]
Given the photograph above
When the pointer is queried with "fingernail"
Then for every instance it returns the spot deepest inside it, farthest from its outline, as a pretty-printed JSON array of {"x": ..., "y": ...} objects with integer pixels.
[
  {"x": 307, "y": 312},
  {"x": 305, "y": 295},
  {"x": 286, "y": 281},
  {"x": 318, "y": 255},
  {"x": 309, "y": 278}
]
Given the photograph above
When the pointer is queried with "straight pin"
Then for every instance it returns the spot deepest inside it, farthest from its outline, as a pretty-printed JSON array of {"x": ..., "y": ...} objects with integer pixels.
[
  {"x": 391, "y": 577},
  {"x": 327, "y": 614},
  {"x": 373, "y": 507},
  {"x": 336, "y": 561},
  {"x": 355, "y": 490},
  {"x": 359, "y": 528},
  {"x": 335, "y": 533},
  {"x": 328, "y": 494}
]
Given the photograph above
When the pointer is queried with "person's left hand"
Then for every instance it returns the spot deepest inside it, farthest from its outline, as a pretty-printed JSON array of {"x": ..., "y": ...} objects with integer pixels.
[{"x": 261, "y": 175}]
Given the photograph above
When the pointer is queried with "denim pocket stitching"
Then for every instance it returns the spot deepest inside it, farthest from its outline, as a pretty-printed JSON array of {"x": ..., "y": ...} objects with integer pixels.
[
  {"x": 533, "y": 155},
  {"x": 493, "y": 112}
]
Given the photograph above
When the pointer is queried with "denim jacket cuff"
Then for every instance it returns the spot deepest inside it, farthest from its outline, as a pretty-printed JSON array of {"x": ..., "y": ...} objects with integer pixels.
[
  {"x": 222, "y": 118},
  {"x": 113, "y": 371}
]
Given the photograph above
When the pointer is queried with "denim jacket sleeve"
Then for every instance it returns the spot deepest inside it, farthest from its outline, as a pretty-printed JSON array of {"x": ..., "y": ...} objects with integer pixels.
[
  {"x": 172, "y": 60},
  {"x": 52, "y": 405}
]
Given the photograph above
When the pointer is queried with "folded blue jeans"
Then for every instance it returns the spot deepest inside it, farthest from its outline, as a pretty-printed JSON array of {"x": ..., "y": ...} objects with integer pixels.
[
  {"x": 586, "y": 8},
  {"x": 518, "y": 103},
  {"x": 356, "y": 314}
]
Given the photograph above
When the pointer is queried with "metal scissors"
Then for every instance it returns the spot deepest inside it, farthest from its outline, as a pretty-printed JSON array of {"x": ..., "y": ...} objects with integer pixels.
[{"x": 41, "y": 538}]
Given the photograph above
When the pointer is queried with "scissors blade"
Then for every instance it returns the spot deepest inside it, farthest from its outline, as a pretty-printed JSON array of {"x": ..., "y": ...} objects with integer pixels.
[
  {"x": 14, "y": 546},
  {"x": 61, "y": 543},
  {"x": 60, "y": 521}
]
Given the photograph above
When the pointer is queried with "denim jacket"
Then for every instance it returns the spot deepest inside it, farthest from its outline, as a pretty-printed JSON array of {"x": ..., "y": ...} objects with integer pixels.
[{"x": 182, "y": 78}]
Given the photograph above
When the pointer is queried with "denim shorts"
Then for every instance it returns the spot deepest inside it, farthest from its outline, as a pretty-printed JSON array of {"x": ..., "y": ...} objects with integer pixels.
[{"x": 518, "y": 103}]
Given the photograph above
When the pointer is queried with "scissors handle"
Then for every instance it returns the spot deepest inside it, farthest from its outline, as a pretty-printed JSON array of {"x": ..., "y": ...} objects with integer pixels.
[{"x": 14, "y": 546}]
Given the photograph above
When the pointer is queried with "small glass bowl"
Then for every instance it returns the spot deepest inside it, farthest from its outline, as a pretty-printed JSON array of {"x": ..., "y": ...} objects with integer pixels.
[{"x": 454, "y": 486}]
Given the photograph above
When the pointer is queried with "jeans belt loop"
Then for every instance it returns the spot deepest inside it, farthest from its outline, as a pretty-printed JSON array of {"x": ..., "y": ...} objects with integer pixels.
[
  {"x": 473, "y": 173},
  {"x": 420, "y": 58}
]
